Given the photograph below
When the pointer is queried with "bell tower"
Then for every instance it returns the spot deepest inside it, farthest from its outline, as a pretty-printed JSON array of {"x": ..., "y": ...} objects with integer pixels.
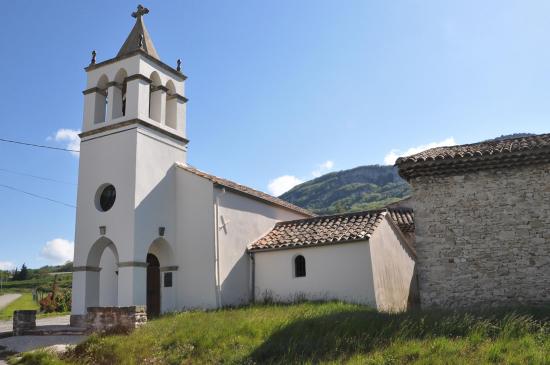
[
  {"x": 133, "y": 133},
  {"x": 135, "y": 86}
]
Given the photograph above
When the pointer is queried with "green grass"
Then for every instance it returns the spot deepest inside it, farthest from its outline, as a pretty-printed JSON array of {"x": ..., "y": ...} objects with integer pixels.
[
  {"x": 322, "y": 333},
  {"x": 23, "y": 302}
]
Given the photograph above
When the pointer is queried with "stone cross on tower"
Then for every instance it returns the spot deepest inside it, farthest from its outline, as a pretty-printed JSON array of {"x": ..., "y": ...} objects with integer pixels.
[{"x": 141, "y": 11}]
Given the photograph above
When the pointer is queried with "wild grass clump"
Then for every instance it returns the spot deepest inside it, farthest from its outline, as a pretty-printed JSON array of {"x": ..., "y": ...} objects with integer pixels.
[{"x": 332, "y": 332}]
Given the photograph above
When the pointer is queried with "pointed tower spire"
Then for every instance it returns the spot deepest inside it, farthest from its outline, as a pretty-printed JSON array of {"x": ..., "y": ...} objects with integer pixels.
[{"x": 139, "y": 36}]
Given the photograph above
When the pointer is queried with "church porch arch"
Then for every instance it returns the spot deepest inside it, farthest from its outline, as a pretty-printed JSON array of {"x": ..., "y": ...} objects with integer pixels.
[
  {"x": 161, "y": 278},
  {"x": 98, "y": 279}
]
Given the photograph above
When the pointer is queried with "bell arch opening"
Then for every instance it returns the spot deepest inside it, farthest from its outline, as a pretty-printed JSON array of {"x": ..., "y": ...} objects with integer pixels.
[
  {"x": 100, "y": 102},
  {"x": 119, "y": 97},
  {"x": 155, "y": 98},
  {"x": 171, "y": 106}
]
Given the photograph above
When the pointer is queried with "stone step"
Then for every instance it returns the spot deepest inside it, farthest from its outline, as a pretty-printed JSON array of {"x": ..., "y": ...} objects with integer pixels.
[{"x": 55, "y": 331}]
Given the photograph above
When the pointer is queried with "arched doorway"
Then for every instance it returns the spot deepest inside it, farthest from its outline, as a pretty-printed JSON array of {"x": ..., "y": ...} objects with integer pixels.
[{"x": 153, "y": 286}]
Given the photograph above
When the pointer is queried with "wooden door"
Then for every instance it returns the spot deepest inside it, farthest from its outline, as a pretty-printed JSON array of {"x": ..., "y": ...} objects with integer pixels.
[{"x": 153, "y": 286}]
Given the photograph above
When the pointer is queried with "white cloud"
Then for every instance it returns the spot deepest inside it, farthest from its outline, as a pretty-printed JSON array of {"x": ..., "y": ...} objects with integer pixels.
[
  {"x": 282, "y": 184},
  {"x": 70, "y": 137},
  {"x": 58, "y": 251},
  {"x": 7, "y": 265},
  {"x": 390, "y": 158},
  {"x": 323, "y": 168}
]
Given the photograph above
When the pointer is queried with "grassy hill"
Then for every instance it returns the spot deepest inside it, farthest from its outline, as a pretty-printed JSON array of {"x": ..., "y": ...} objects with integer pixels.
[
  {"x": 360, "y": 188},
  {"x": 321, "y": 333},
  {"x": 41, "y": 278}
]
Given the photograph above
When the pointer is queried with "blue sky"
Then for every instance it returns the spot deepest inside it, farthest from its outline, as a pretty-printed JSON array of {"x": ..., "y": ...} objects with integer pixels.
[{"x": 276, "y": 89}]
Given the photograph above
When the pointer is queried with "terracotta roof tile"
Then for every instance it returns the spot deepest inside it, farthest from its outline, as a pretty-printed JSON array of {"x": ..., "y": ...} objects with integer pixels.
[
  {"x": 404, "y": 218},
  {"x": 476, "y": 156},
  {"x": 331, "y": 229},
  {"x": 245, "y": 190}
]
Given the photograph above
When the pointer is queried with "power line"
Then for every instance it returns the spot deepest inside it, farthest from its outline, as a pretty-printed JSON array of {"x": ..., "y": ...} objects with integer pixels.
[
  {"x": 38, "y": 145},
  {"x": 37, "y": 177},
  {"x": 37, "y": 196}
]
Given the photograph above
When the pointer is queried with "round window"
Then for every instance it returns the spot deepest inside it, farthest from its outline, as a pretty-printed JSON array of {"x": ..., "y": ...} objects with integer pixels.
[{"x": 106, "y": 197}]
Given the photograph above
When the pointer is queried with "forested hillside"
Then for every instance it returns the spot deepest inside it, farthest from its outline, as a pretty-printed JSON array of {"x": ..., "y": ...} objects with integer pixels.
[{"x": 360, "y": 188}]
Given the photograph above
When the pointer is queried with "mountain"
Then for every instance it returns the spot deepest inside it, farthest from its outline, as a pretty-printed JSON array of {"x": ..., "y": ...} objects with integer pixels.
[
  {"x": 511, "y": 136},
  {"x": 360, "y": 188}
]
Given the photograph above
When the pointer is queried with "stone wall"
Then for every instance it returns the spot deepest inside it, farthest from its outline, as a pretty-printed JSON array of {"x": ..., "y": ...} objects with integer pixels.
[
  {"x": 23, "y": 320},
  {"x": 115, "y": 319},
  {"x": 483, "y": 238}
]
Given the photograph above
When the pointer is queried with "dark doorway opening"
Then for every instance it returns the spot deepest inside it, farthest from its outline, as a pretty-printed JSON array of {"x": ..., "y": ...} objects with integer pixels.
[{"x": 153, "y": 286}]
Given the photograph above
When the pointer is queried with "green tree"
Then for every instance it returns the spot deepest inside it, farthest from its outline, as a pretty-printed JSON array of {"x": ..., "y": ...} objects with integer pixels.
[
  {"x": 15, "y": 275},
  {"x": 24, "y": 273}
]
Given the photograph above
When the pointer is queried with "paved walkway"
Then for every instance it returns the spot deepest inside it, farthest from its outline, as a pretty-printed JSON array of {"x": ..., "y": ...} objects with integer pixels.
[
  {"x": 27, "y": 343},
  {"x": 6, "y": 299},
  {"x": 7, "y": 326}
]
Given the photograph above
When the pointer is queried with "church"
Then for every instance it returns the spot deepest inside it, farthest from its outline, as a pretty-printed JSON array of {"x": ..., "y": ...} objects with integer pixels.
[{"x": 154, "y": 231}]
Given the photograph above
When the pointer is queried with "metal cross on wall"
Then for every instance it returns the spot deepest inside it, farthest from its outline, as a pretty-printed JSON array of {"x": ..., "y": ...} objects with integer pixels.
[{"x": 140, "y": 11}]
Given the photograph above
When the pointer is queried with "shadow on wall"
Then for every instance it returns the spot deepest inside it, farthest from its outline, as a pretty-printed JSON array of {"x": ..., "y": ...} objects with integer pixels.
[
  {"x": 413, "y": 301},
  {"x": 357, "y": 330},
  {"x": 235, "y": 288}
]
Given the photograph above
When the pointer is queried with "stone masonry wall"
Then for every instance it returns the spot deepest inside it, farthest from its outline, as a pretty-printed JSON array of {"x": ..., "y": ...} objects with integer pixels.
[
  {"x": 115, "y": 319},
  {"x": 23, "y": 320},
  {"x": 483, "y": 238}
]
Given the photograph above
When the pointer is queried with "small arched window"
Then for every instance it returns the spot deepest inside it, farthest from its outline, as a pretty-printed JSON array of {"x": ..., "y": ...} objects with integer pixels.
[{"x": 299, "y": 266}]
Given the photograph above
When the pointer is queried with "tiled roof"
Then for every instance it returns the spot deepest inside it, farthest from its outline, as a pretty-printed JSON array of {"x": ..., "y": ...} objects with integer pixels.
[
  {"x": 245, "y": 190},
  {"x": 404, "y": 218},
  {"x": 331, "y": 229},
  {"x": 476, "y": 156}
]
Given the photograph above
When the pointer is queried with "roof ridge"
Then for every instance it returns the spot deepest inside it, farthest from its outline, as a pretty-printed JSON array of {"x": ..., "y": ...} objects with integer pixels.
[
  {"x": 320, "y": 217},
  {"x": 331, "y": 229},
  {"x": 485, "y": 155},
  {"x": 244, "y": 189},
  {"x": 487, "y": 142},
  {"x": 503, "y": 142}
]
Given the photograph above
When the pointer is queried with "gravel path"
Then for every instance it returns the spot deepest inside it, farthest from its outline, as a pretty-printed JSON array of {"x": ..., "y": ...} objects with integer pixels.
[
  {"x": 6, "y": 299},
  {"x": 6, "y": 326}
]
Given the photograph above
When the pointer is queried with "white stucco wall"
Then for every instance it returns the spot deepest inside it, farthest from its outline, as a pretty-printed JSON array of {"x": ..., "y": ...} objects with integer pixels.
[
  {"x": 155, "y": 190},
  {"x": 393, "y": 267},
  {"x": 240, "y": 221},
  {"x": 340, "y": 271},
  {"x": 109, "y": 159},
  {"x": 195, "y": 242}
]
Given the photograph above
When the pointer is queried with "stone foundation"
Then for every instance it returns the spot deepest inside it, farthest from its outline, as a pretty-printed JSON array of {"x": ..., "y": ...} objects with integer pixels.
[
  {"x": 23, "y": 320},
  {"x": 115, "y": 319},
  {"x": 78, "y": 320}
]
